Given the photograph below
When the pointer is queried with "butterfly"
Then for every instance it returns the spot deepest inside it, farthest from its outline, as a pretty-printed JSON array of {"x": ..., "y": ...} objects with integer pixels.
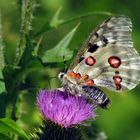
[{"x": 107, "y": 59}]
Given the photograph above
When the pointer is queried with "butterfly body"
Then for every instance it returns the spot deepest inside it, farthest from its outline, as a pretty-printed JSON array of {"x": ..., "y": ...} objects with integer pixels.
[
  {"x": 96, "y": 95},
  {"x": 92, "y": 93},
  {"x": 107, "y": 59}
]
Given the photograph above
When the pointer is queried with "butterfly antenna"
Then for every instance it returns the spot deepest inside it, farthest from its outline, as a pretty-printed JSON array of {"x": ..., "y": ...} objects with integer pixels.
[{"x": 65, "y": 64}]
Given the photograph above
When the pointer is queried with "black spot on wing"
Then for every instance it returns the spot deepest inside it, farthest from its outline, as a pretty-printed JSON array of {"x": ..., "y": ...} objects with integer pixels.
[
  {"x": 82, "y": 58},
  {"x": 105, "y": 40},
  {"x": 116, "y": 72},
  {"x": 96, "y": 34},
  {"x": 92, "y": 47}
]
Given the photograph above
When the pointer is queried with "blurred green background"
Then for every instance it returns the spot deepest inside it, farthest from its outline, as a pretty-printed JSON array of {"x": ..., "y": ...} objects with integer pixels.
[{"x": 122, "y": 120}]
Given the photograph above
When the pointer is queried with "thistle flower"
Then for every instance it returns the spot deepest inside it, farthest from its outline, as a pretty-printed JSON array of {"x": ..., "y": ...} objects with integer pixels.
[
  {"x": 64, "y": 109},
  {"x": 62, "y": 112}
]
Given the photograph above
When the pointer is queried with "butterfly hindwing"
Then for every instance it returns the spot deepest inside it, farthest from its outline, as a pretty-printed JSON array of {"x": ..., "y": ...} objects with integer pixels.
[{"x": 108, "y": 58}]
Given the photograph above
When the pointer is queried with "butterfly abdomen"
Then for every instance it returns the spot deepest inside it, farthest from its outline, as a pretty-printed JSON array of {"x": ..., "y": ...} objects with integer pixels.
[{"x": 97, "y": 95}]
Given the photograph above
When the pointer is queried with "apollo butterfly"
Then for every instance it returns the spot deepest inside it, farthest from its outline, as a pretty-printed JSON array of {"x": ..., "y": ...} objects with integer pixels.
[{"x": 107, "y": 59}]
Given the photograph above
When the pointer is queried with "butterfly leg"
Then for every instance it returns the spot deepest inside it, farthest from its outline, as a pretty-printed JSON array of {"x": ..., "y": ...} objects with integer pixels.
[{"x": 97, "y": 95}]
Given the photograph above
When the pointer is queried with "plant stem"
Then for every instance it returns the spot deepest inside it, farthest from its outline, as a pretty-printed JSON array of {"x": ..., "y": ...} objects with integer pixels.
[
  {"x": 45, "y": 27},
  {"x": 2, "y": 61},
  {"x": 26, "y": 18}
]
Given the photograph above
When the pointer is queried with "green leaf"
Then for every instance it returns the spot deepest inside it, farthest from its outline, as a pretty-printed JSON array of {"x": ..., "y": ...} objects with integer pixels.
[
  {"x": 55, "y": 20},
  {"x": 49, "y": 25},
  {"x": 46, "y": 27},
  {"x": 57, "y": 53},
  {"x": 2, "y": 84},
  {"x": 9, "y": 126},
  {"x": 5, "y": 137},
  {"x": 36, "y": 48}
]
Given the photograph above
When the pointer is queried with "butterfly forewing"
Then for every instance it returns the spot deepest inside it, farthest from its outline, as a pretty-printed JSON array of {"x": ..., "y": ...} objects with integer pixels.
[
  {"x": 109, "y": 31},
  {"x": 108, "y": 58}
]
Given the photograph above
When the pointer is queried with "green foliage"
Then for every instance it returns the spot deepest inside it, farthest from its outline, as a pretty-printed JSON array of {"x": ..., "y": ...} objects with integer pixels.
[
  {"x": 61, "y": 50},
  {"x": 2, "y": 61},
  {"x": 2, "y": 84},
  {"x": 5, "y": 137},
  {"x": 55, "y": 22},
  {"x": 2, "y": 104},
  {"x": 36, "y": 67},
  {"x": 9, "y": 126},
  {"x": 26, "y": 19}
]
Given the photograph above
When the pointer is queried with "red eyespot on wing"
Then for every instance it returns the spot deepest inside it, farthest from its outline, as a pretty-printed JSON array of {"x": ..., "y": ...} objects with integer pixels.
[
  {"x": 114, "y": 61},
  {"x": 90, "y": 83},
  {"x": 85, "y": 77},
  {"x": 72, "y": 74},
  {"x": 117, "y": 79},
  {"x": 90, "y": 60},
  {"x": 78, "y": 75}
]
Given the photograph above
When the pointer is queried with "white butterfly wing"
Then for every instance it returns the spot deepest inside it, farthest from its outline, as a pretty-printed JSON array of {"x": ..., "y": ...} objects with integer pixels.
[{"x": 109, "y": 58}]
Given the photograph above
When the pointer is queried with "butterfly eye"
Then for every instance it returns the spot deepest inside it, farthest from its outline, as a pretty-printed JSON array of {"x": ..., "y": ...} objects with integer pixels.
[{"x": 60, "y": 75}]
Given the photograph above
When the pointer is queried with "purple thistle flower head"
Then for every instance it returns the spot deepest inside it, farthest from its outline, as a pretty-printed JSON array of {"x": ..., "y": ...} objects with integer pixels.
[{"x": 63, "y": 109}]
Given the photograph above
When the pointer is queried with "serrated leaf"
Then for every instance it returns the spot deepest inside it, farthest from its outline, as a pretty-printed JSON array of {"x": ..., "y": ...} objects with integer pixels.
[
  {"x": 55, "y": 20},
  {"x": 57, "y": 53},
  {"x": 9, "y": 126},
  {"x": 36, "y": 48},
  {"x": 2, "y": 84}
]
